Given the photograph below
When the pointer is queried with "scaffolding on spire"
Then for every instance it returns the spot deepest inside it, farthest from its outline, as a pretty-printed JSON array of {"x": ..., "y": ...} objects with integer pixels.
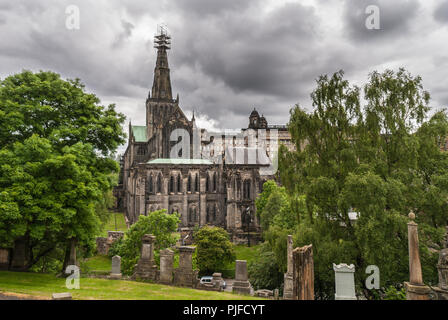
[{"x": 162, "y": 40}]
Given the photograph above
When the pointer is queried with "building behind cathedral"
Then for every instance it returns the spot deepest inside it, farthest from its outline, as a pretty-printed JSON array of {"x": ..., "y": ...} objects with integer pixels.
[{"x": 204, "y": 190}]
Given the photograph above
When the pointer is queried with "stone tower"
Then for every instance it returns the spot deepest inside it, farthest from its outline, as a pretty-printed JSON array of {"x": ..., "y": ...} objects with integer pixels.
[{"x": 161, "y": 108}]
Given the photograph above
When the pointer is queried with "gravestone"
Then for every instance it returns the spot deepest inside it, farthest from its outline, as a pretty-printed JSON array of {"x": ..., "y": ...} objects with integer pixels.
[
  {"x": 61, "y": 296},
  {"x": 214, "y": 285},
  {"x": 441, "y": 291},
  {"x": 241, "y": 284},
  {"x": 116, "y": 268},
  {"x": 264, "y": 293},
  {"x": 146, "y": 267},
  {"x": 166, "y": 266},
  {"x": 345, "y": 281},
  {"x": 4, "y": 259},
  {"x": 288, "y": 276},
  {"x": 217, "y": 281},
  {"x": 303, "y": 273},
  {"x": 184, "y": 275},
  {"x": 415, "y": 288}
]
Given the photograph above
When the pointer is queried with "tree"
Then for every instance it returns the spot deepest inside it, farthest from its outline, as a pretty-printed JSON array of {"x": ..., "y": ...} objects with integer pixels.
[
  {"x": 157, "y": 223},
  {"x": 278, "y": 219},
  {"x": 264, "y": 272},
  {"x": 378, "y": 155},
  {"x": 57, "y": 144},
  {"x": 214, "y": 249}
]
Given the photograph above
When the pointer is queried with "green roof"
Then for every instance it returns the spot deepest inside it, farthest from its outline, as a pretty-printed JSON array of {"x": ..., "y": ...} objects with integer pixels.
[
  {"x": 139, "y": 133},
  {"x": 180, "y": 161}
]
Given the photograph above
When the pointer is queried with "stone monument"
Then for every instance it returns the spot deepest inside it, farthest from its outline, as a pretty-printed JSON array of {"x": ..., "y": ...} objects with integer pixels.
[
  {"x": 146, "y": 268},
  {"x": 217, "y": 280},
  {"x": 61, "y": 296},
  {"x": 288, "y": 277},
  {"x": 241, "y": 284},
  {"x": 344, "y": 281},
  {"x": 303, "y": 273},
  {"x": 415, "y": 288},
  {"x": 184, "y": 275},
  {"x": 441, "y": 291},
  {"x": 166, "y": 266},
  {"x": 116, "y": 268}
]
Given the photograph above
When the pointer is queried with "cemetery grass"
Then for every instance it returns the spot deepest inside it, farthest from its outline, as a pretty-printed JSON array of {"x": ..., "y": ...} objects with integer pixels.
[
  {"x": 110, "y": 224},
  {"x": 43, "y": 285},
  {"x": 98, "y": 263}
]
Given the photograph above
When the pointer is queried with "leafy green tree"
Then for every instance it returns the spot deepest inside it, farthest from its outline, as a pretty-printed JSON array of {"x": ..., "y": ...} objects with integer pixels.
[
  {"x": 214, "y": 249},
  {"x": 274, "y": 207},
  {"x": 157, "y": 223},
  {"x": 375, "y": 152},
  {"x": 264, "y": 272},
  {"x": 278, "y": 220},
  {"x": 57, "y": 144}
]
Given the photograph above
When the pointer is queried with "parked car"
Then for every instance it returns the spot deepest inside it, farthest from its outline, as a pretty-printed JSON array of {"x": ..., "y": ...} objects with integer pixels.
[
  {"x": 209, "y": 280},
  {"x": 206, "y": 280}
]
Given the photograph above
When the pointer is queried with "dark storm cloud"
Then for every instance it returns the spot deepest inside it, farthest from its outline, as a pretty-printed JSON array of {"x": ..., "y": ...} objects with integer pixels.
[
  {"x": 395, "y": 19},
  {"x": 201, "y": 8},
  {"x": 254, "y": 53},
  {"x": 441, "y": 11},
  {"x": 227, "y": 56}
]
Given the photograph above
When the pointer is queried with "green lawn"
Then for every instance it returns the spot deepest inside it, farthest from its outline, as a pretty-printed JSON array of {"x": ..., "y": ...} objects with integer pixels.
[
  {"x": 43, "y": 285},
  {"x": 116, "y": 223},
  {"x": 242, "y": 252},
  {"x": 98, "y": 263}
]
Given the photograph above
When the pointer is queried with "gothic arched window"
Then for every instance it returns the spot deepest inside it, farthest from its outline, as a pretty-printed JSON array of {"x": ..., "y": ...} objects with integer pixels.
[
  {"x": 141, "y": 151},
  {"x": 207, "y": 218},
  {"x": 207, "y": 183},
  {"x": 171, "y": 186},
  {"x": 179, "y": 183},
  {"x": 189, "y": 183},
  {"x": 150, "y": 185},
  {"x": 238, "y": 187},
  {"x": 197, "y": 183},
  {"x": 159, "y": 183},
  {"x": 190, "y": 216},
  {"x": 214, "y": 181},
  {"x": 246, "y": 189}
]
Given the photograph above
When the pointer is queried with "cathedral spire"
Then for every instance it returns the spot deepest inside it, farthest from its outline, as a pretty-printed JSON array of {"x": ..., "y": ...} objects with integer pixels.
[{"x": 161, "y": 87}]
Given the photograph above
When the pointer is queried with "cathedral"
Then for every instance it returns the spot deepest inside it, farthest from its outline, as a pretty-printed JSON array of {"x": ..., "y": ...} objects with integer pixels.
[{"x": 213, "y": 179}]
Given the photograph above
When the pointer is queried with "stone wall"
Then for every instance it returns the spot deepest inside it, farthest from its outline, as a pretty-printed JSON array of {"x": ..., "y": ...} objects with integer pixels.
[{"x": 103, "y": 244}]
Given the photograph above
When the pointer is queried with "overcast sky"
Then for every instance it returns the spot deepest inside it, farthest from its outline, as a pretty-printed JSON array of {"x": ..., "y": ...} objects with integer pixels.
[{"x": 228, "y": 56}]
